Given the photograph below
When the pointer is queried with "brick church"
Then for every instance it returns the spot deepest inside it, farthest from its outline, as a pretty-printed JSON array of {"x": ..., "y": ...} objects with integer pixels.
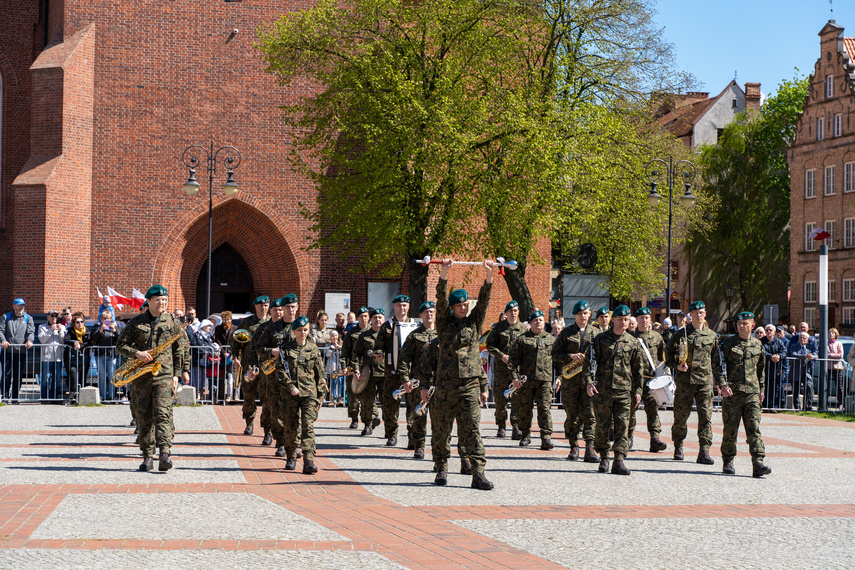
[{"x": 98, "y": 100}]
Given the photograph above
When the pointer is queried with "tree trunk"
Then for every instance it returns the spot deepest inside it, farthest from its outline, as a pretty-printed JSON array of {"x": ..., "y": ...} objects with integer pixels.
[
  {"x": 417, "y": 286},
  {"x": 518, "y": 288}
]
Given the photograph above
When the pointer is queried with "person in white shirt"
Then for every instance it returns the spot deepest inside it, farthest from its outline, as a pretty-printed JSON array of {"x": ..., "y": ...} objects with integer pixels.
[{"x": 51, "y": 336}]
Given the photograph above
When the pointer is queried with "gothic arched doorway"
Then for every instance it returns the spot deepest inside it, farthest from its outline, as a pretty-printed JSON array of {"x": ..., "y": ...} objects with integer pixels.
[{"x": 231, "y": 282}]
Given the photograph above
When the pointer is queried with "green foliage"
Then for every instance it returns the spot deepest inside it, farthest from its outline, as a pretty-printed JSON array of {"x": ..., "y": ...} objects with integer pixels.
[{"x": 746, "y": 243}]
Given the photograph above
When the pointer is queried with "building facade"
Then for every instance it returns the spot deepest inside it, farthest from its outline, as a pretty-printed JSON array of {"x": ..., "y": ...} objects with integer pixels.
[
  {"x": 822, "y": 178},
  {"x": 99, "y": 100}
]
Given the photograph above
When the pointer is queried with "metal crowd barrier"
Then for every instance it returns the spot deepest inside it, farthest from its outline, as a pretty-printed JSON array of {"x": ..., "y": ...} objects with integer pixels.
[{"x": 795, "y": 383}]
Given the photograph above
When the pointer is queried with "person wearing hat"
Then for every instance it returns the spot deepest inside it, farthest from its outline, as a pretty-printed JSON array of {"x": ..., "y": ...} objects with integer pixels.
[
  {"x": 301, "y": 377},
  {"x": 655, "y": 345},
  {"x": 369, "y": 359},
  {"x": 742, "y": 391},
  {"x": 459, "y": 374},
  {"x": 531, "y": 356},
  {"x": 409, "y": 363},
  {"x": 51, "y": 337},
  {"x": 249, "y": 390},
  {"x": 153, "y": 395},
  {"x": 573, "y": 345},
  {"x": 391, "y": 339},
  {"x": 603, "y": 317},
  {"x": 499, "y": 341},
  {"x": 17, "y": 334},
  {"x": 694, "y": 380},
  {"x": 362, "y": 324},
  {"x": 613, "y": 374}
]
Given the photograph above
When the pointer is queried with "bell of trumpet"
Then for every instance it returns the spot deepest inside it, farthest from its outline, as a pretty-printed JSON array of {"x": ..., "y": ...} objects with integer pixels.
[
  {"x": 571, "y": 369},
  {"x": 242, "y": 336}
]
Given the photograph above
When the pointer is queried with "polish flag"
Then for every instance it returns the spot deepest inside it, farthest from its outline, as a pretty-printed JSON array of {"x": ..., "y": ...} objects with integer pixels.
[
  {"x": 137, "y": 299},
  {"x": 100, "y": 296},
  {"x": 819, "y": 234},
  {"x": 118, "y": 300}
]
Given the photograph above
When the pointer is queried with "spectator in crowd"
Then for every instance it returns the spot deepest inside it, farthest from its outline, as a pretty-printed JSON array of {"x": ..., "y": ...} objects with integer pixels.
[
  {"x": 51, "y": 337},
  {"x": 320, "y": 334},
  {"x": 17, "y": 333},
  {"x": 782, "y": 334},
  {"x": 557, "y": 324},
  {"x": 657, "y": 326},
  {"x": 792, "y": 331},
  {"x": 206, "y": 359},
  {"x": 77, "y": 339},
  {"x": 107, "y": 305},
  {"x": 776, "y": 369},
  {"x": 332, "y": 360},
  {"x": 633, "y": 324},
  {"x": 179, "y": 315},
  {"x": 803, "y": 328},
  {"x": 340, "y": 324},
  {"x": 835, "y": 364},
  {"x": 801, "y": 369},
  {"x": 66, "y": 317},
  {"x": 351, "y": 322},
  {"x": 668, "y": 329},
  {"x": 223, "y": 337},
  {"x": 759, "y": 333},
  {"x": 191, "y": 319},
  {"x": 104, "y": 335}
]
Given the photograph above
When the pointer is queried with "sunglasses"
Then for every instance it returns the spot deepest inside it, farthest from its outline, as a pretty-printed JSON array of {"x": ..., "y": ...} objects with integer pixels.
[{"x": 78, "y": 322}]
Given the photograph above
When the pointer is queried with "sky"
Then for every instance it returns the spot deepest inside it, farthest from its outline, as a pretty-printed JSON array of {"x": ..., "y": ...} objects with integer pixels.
[{"x": 758, "y": 40}]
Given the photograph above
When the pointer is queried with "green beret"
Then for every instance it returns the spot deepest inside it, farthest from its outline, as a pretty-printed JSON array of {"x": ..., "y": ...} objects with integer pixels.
[
  {"x": 642, "y": 311},
  {"x": 511, "y": 305},
  {"x": 361, "y": 310},
  {"x": 458, "y": 296},
  {"x": 289, "y": 299},
  {"x": 275, "y": 303},
  {"x": 580, "y": 306},
  {"x": 744, "y": 315},
  {"x": 426, "y": 305},
  {"x": 401, "y": 299},
  {"x": 376, "y": 312},
  {"x": 144, "y": 305},
  {"x": 260, "y": 300},
  {"x": 300, "y": 322},
  {"x": 621, "y": 311},
  {"x": 697, "y": 305},
  {"x": 156, "y": 291},
  {"x": 535, "y": 314},
  {"x": 602, "y": 311}
]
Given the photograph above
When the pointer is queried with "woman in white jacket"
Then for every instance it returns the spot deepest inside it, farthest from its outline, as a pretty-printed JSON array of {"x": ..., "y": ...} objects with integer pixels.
[{"x": 51, "y": 336}]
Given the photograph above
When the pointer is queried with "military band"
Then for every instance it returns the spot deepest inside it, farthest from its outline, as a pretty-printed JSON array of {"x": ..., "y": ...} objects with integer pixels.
[
  {"x": 499, "y": 342},
  {"x": 654, "y": 355},
  {"x": 249, "y": 390}
]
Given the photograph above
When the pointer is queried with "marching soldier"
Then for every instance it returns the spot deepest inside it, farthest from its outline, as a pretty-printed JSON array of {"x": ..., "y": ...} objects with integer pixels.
[
  {"x": 499, "y": 341},
  {"x": 362, "y": 318},
  {"x": 613, "y": 372},
  {"x": 409, "y": 364},
  {"x": 301, "y": 375},
  {"x": 261, "y": 380},
  {"x": 249, "y": 390},
  {"x": 573, "y": 345},
  {"x": 367, "y": 351},
  {"x": 655, "y": 345},
  {"x": 531, "y": 356},
  {"x": 742, "y": 394},
  {"x": 388, "y": 340},
  {"x": 603, "y": 317},
  {"x": 459, "y": 373},
  {"x": 153, "y": 395},
  {"x": 694, "y": 380}
]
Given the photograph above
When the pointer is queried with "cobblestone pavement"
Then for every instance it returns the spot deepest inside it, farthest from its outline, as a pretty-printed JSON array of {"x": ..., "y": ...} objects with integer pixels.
[{"x": 71, "y": 497}]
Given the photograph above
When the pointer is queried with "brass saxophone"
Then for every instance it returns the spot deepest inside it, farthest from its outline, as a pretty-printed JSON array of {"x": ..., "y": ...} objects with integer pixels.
[
  {"x": 571, "y": 369},
  {"x": 242, "y": 337},
  {"x": 682, "y": 351},
  {"x": 133, "y": 368}
]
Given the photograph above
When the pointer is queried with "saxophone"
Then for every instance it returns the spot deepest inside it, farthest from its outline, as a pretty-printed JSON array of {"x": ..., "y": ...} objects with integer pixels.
[
  {"x": 133, "y": 368},
  {"x": 682, "y": 351},
  {"x": 571, "y": 369}
]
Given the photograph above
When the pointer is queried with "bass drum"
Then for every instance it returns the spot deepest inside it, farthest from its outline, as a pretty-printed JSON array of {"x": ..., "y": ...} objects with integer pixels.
[{"x": 359, "y": 385}]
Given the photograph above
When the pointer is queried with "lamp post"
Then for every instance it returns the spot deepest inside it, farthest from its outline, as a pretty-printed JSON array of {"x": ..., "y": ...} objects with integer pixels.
[
  {"x": 191, "y": 159},
  {"x": 657, "y": 169}
]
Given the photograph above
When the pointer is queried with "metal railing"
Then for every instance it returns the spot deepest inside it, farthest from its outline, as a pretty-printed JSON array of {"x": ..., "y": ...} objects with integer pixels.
[{"x": 795, "y": 383}]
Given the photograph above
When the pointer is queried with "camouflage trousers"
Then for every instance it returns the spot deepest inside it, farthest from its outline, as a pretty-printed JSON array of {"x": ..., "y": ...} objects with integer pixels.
[
  {"x": 651, "y": 410},
  {"x": 249, "y": 392},
  {"x": 702, "y": 396},
  {"x": 262, "y": 390},
  {"x": 416, "y": 425},
  {"x": 461, "y": 446},
  {"x": 271, "y": 411},
  {"x": 534, "y": 393},
  {"x": 151, "y": 404},
  {"x": 579, "y": 409},
  {"x": 744, "y": 407},
  {"x": 502, "y": 382},
  {"x": 368, "y": 401},
  {"x": 299, "y": 415},
  {"x": 352, "y": 400},
  {"x": 391, "y": 407},
  {"x": 612, "y": 407},
  {"x": 457, "y": 398}
]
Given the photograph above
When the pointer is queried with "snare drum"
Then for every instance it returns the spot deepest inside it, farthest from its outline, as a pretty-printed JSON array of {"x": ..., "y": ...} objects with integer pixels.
[{"x": 662, "y": 388}]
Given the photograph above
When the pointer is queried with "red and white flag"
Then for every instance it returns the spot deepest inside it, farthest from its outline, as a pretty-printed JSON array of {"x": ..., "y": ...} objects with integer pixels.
[
  {"x": 137, "y": 299},
  {"x": 118, "y": 300},
  {"x": 819, "y": 234},
  {"x": 100, "y": 296}
]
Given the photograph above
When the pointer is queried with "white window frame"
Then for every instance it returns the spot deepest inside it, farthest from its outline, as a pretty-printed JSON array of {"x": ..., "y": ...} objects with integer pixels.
[
  {"x": 831, "y": 227},
  {"x": 832, "y": 290},
  {"x": 810, "y": 183},
  {"x": 849, "y": 232},
  {"x": 810, "y": 317},
  {"x": 849, "y": 316},
  {"x": 849, "y": 177},
  {"x": 838, "y": 124},
  {"x": 828, "y": 180},
  {"x": 810, "y": 244},
  {"x": 820, "y": 128},
  {"x": 829, "y": 86},
  {"x": 810, "y": 291},
  {"x": 848, "y": 290}
]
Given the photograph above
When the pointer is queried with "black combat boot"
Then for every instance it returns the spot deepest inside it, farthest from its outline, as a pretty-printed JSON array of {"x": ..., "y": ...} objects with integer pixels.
[
  {"x": 525, "y": 441},
  {"x": 367, "y": 430},
  {"x": 392, "y": 441},
  {"x": 280, "y": 451},
  {"x": 760, "y": 470},
  {"x": 354, "y": 424},
  {"x": 249, "y": 428},
  {"x": 441, "y": 478},
  {"x": 375, "y": 422},
  {"x": 728, "y": 468},
  {"x": 678, "y": 453},
  {"x": 165, "y": 463},
  {"x": 268, "y": 438},
  {"x": 309, "y": 467},
  {"x": 546, "y": 444},
  {"x": 411, "y": 444},
  {"x": 618, "y": 468},
  {"x": 290, "y": 464},
  {"x": 657, "y": 445},
  {"x": 591, "y": 455},
  {"x": 516, "y": 434},
  {"x": 704, "y": 458},
  {"x": 299, "y": 453},
  {"x": 147, "y": 464},
  {"x": 501, "y": 432},
  {"x": 574, "y": 453},
  {"x": 419, "y": 453},
  {"x": 481, "y": 483},
  {"x": 604, "y": 465},
  {"x": 465, "y": 467}
]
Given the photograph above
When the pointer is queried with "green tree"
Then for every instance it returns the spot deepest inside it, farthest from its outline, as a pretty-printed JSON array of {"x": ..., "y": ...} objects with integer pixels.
[{"x": 746, "y": 244}]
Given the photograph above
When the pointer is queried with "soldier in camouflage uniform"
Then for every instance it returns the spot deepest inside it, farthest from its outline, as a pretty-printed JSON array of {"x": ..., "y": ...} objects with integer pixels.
[
  {"x": 459, "y": 374},
  {"x": 362, "y": 316},
  {"x": 499, "y": 341},
  {"x": 409, "y": 363},
  {"x": 694, "y": 381},
  {"x": 574, "y": 344},
  {"x": 613, "y": 374},
  {"x": 742, "y": 394},
  {"x": 261, "y": 380},
  {"x": 602, "y": 319},
  {"x": 249, "y": 390},
  {"x": 153, "y": 396},
  {"x": 391, "y": 381},
  {"x": 303, "y": 385},
  {"x": 369, "y": 342},
  {"x": 656, "y": 347},
  {"x": 531, "y": 356}
]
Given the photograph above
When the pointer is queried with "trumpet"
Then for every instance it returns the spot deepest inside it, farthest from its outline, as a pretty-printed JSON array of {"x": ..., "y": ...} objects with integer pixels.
[
  {"x": 571, "y": 369},
  {"x": 251, "y": 373},
  {"x": 343, "y": 372},
  {"x": 397, "y": 394},
  {"x": 421, "y": 409},
  {"x": 268, "y": 366},
  {"x": 512, "y": 389}
]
